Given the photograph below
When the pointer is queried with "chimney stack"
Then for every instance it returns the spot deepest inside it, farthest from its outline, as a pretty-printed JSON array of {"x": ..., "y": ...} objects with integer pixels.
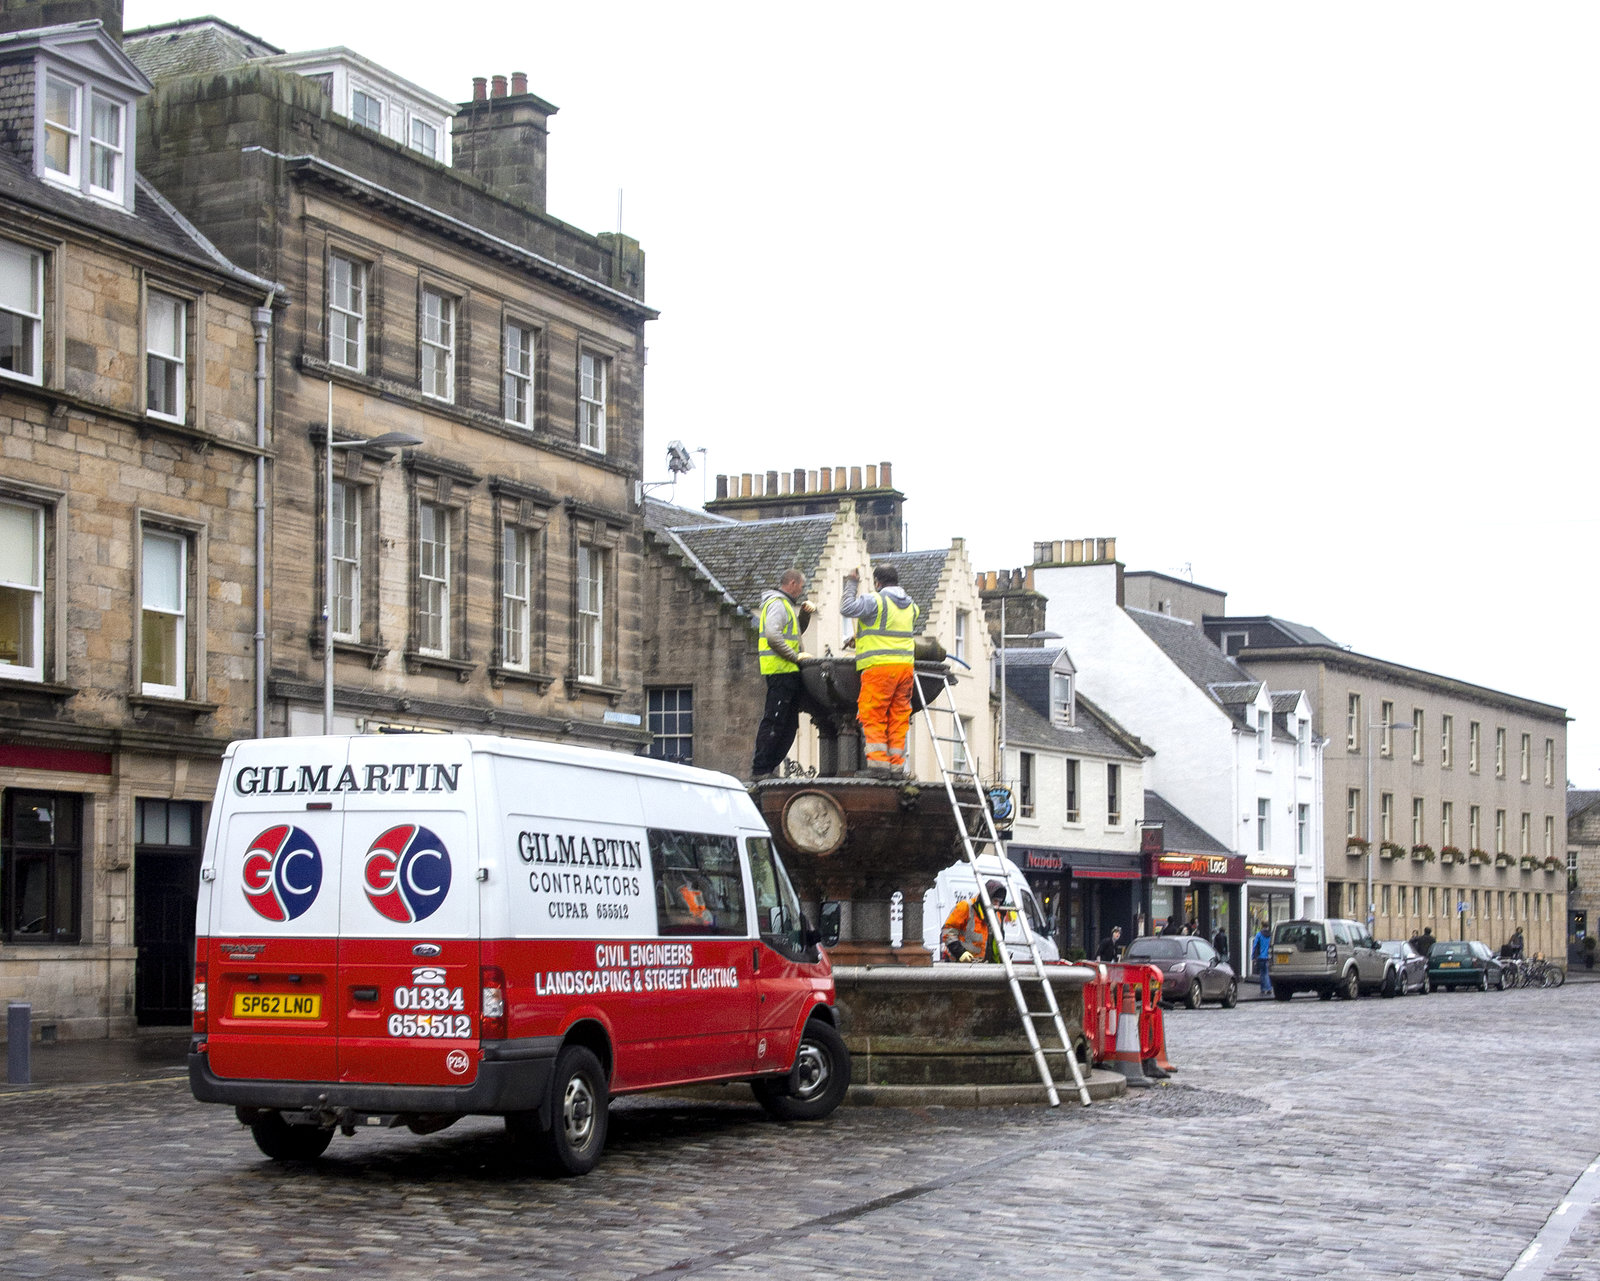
[{"x": 502, "y": 139}]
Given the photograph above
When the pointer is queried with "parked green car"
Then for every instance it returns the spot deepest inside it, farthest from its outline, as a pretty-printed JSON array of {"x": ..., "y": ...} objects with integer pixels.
[{"x": 1466, "y": 964}]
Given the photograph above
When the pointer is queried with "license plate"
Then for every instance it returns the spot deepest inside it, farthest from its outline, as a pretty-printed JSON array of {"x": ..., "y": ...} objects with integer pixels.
[
  {"x": 277, "y": 1005},
  {"x": 1449, "y": 965},
  {"x": 1282, "y": 958}
]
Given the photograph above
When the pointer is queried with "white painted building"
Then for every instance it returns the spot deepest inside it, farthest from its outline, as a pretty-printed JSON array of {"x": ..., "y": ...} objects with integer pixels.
[{"x": 1237, "y": 759}]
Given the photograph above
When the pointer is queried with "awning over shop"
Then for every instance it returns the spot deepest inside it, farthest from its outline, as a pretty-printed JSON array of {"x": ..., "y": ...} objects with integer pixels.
[{"x": 1102, "y": 865}]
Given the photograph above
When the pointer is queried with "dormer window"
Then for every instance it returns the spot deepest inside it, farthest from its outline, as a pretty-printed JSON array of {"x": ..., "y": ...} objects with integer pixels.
[
  {"x": 68, "y": 104},
  {"x": 1061, "y": 711}
]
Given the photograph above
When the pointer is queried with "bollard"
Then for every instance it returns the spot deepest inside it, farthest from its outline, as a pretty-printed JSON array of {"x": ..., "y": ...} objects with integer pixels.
[{"x": 19, "y": 1031}]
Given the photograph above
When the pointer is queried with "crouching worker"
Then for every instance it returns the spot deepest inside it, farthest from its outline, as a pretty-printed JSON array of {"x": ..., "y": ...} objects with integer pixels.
[{"x": 968, "y": 934}]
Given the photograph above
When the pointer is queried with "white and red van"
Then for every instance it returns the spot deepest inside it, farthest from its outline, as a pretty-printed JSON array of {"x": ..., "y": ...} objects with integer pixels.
[{"x": 408, "y": 929}]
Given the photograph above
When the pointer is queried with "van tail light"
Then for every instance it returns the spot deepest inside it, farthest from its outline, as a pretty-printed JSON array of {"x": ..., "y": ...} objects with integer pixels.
[
  {"x": 198, "y": 1000},
  {"x": 1333, "y": 953},
  {"x": 492, "y": 1022}
]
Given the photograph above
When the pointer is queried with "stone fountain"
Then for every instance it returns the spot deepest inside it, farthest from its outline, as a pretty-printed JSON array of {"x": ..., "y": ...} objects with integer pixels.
[{"x": 918, "y": 1031}]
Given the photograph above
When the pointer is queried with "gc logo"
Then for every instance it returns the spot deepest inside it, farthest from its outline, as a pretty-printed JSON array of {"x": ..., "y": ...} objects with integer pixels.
[{"x": 407, "y": 873}]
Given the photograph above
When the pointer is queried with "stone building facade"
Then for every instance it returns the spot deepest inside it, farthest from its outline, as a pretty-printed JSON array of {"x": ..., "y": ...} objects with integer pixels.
[
  {"x": 488, "y": 577},
  {"x": 704, "y": 686},
  {"x": 1583, "y": 873},
  {"x": 1467, "y": 790},
  {"x": 131, "y": 450}
]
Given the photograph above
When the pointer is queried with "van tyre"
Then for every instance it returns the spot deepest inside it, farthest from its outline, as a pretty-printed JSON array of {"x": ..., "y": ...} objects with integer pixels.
[
  {"x": 817, "y": 1083},
  {"x": 1283, "y": 993},
  {"x": 578, "y": 1115},
  {"x": 1350, "y": 988},
  {"x": 284, "y": 1142}
]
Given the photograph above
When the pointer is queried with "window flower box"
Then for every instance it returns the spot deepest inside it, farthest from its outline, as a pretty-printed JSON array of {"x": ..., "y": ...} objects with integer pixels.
[
  {"x": 1422, "y": 853},
  {"x": 1552, "y": 864},
  {"x": 1504, "y": 860},
  {"x": 1527, "y": 862},
  {"x": 1477, "y": 857},
  {"x": 1356, "y": 846},
  {"x": 1450, "y": 854}
]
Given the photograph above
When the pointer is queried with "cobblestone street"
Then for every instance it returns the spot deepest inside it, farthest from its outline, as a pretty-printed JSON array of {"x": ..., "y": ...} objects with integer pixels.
[{"x": 1425, "y": 1137}]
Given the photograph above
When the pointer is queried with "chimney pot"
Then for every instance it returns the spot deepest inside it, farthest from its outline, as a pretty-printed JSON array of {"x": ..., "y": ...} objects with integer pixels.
[
  {"x": 883, "y": 476},
  {"x": 838, "y": 478},
  {"x": 825, "y": 481},
  {"x": 855, "y": 478},
  {"x": 746, "y": 482},
  {"x": 813, "y": 483},
  {"x": 872, "y": 476},
  {"x": 799, "y": 480},
  {"x": 499, "y": 90},
  {"x": 722, "y": 486},
  {"x": 480, "y": 88},
  {"x": 519, "y": 82},
  {"x": 772, "y": 484}
]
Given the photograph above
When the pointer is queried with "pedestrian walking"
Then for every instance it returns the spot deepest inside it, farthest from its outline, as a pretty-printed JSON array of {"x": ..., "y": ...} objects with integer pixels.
[
  {"x": 1219, "y": 940},
  {"x": 1261, "y": 954},
  {"x": 1110, "y": 946}
]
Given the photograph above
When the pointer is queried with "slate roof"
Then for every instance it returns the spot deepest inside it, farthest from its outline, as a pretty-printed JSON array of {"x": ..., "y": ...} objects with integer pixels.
[
  {"x": 1579, "y": 800},
  {"x": 192, "y": 47},
  {"x": 1094, "y": 734},
  {"x": 1237, "y": 692},
  {"x": 920, "y": 573},
  {"x": 1193, "y": 654},
  {"x": 1180, "y": 834},
  {"x": 154, "y": 224},
  {"x": 745, "y": 557},
  {"x": 660, "y": 515},
  {"x": 1285, "y": 701}
]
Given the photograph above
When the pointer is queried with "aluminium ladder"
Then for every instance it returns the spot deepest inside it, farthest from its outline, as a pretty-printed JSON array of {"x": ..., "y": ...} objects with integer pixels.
[{"x": 975, "y": 823}]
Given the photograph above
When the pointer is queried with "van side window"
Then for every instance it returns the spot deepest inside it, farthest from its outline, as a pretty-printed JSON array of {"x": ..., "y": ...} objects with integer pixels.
[
  {"x": 699, "y": 887},
  {"x": 777, "y": 905},
  {"x": 1341, "y": 933}
]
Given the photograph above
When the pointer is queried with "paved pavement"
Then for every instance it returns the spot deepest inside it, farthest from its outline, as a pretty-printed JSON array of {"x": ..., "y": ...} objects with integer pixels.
[{"x": 1426, "y": 1137}]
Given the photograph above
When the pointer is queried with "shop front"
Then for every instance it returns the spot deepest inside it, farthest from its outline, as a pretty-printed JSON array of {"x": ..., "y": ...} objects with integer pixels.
[
  {"x": 1269, "y": 894},
  {"x": 1198, "y": 893},
  {"x": 1083, "y": 892}
]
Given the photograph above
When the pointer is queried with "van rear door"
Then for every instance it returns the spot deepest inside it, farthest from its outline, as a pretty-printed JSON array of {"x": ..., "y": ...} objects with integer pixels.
[
  {"x": 269, "y": 938},
  {"x": 408, "y": 952}
]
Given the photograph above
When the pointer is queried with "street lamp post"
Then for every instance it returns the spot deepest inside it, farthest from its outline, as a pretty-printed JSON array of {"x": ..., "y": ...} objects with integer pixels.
[
  {"x": 1371, "y": 730},
  {"x": 395, "y": 438}
]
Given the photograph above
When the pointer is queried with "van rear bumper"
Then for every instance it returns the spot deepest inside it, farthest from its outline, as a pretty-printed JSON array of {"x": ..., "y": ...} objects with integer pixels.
[{"x": 513, "y": 1076}]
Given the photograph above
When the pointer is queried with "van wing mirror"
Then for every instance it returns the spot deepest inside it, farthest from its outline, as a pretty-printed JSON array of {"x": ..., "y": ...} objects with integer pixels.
[{"x": 832, "y": 923}]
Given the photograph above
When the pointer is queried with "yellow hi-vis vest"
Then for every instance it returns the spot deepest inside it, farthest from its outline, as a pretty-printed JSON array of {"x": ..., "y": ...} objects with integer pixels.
[
  {"x": 890, "y": 636},
  {"x": 773, "y": 662}
]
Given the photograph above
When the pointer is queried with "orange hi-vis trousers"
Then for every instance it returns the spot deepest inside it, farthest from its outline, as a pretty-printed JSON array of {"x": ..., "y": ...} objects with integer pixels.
[{"x": 884, "y": 710}]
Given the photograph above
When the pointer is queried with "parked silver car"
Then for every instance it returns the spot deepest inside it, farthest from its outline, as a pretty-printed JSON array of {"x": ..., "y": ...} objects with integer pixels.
[{"x": 1331, "y": 957}]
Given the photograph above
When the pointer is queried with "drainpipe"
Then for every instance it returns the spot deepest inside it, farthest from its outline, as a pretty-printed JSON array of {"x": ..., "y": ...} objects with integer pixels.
[{"x": 262, "y": 320}]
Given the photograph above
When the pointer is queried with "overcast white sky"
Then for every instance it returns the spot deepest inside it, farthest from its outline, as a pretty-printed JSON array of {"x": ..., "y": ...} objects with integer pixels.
[{"x": 1299, "y": 296}]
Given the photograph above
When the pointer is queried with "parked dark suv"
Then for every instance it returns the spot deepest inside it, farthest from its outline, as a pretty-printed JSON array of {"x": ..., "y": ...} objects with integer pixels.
[{"x": 1330, "y": 957}]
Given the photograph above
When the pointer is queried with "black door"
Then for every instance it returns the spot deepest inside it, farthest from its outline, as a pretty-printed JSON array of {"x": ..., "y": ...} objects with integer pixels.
[{"x": 166, "y": 880}]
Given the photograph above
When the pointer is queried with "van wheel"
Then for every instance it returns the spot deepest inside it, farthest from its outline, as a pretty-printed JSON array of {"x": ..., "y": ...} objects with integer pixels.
[
  {"x": 1324, "y": 994},
  {"x": 579, "y": 1103},
  {"x": 1281, "y": 993},
  {"x": 818, "y": 1081},
  {"x": 1351, "y": 989},
  {"x": 284, "y": 1142}
]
